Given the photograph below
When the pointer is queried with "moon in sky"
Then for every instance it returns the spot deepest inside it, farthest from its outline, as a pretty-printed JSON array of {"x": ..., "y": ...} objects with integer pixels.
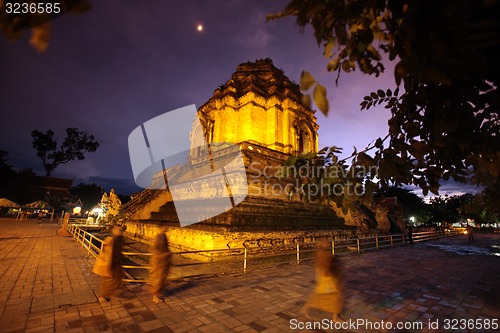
[{"x": 199, "y": 28}]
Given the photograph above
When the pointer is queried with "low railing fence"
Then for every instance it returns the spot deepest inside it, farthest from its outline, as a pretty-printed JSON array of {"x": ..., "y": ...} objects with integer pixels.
[
  {"x": 86, "y": 239},
  {"x": 242, "y": 259}
]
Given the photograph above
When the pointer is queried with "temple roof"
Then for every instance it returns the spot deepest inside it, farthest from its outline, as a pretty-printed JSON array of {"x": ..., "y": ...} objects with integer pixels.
[
  {"x": 259, "y": 104},
  {"x": 262, "y": 78}
]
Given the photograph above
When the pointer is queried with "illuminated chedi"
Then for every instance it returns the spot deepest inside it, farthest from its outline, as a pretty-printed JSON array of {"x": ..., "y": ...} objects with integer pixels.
[
  {"x": 259, "y": 109},
  {"x": 260, "y": 105}
]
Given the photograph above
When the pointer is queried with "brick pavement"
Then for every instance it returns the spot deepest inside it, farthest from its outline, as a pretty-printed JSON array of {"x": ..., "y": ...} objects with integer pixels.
[{"x": 46, "y": 285}]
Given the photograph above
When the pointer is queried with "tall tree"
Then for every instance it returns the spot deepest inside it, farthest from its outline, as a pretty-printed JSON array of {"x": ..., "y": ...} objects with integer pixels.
[
  {"x": 73, "y": 147},
  {"x": 445, "y": 122},
  {"x": 413, "y": 204},
  {"x": 7, "y": 174},
  {"x": 15, "y": 185}
]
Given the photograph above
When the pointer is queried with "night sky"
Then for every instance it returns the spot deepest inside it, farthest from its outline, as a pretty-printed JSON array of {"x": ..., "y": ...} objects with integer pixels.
[{"x": 124, "y": 62}]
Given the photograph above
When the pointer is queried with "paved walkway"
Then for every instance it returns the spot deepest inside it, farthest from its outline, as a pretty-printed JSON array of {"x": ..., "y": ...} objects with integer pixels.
[{"x": 46, "y": 285}]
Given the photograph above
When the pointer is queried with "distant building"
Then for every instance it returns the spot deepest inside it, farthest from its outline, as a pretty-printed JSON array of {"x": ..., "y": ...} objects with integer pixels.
[{"x": 54, "y": 191}]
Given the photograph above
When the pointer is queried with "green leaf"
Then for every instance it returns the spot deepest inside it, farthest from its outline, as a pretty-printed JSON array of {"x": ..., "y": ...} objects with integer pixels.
[
  {"x": 335, "y": 149},
  {"x": 348, "y": 65},
  {"x": 399, "y": 72},
  {"x": 291, "y": 160},
  {"x": 434, "y": 190},
  {"x": 328, "y": 48},
  {"x": 320, "y": 99},
  {"x": 364, "y": 159},
  {"x": 323, "y": 150},
  {"x": 306, "y": 80},
  {"x": 306, "y": 101},
  {"x": 333, "y": 64},
  {"x": 40, "y": 36},
  {"x": 373, "y": 52},
  {"x": 394, "y": 126}
]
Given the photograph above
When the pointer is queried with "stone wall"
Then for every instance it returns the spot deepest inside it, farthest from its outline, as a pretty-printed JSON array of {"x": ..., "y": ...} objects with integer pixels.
[{"x": 190, "y": 239}]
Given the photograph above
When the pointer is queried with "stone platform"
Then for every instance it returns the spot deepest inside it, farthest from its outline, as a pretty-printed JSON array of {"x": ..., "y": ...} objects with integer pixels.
[
  {"x": 46, "y": 285},
  {"x": 212, "y": 237}
]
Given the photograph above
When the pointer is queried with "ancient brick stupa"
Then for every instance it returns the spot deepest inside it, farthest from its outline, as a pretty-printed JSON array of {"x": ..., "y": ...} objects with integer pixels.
[
  {"x": 260, "y": 105},
  {"x": 260, "y": 110}
]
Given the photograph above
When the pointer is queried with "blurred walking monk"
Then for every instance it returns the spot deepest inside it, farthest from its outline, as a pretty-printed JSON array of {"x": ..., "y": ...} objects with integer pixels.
[
  {"x": 160, "y": 266},
  {"x": 109, "y": 265},
  {"x": 327, "y": 295}
]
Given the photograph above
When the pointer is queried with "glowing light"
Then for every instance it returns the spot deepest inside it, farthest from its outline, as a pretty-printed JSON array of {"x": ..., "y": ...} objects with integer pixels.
[
  {"x": 97, "y": 210},
  {"x": 199, "y": 27}
]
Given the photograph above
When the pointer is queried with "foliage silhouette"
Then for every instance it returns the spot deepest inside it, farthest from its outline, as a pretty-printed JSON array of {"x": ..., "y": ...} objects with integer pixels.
[{"x": 73, "y": 147}]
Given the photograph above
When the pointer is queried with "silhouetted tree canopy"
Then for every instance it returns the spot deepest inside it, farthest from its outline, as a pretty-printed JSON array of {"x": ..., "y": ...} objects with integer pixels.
[
  {"x": 89, "y": 194},
  {"x": 413, "y": 205},
  {"x": 444, "y": 106},
  {"x": 7, "y": 174},
  {"x": 73, "y": 147},
  {"x": 15, "y": 185}
]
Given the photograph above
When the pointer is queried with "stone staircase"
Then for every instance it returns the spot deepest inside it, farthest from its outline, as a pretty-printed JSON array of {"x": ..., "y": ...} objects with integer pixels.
[
  {"x": 140, "y": 201},
  {"x": 256, "y": 213}
]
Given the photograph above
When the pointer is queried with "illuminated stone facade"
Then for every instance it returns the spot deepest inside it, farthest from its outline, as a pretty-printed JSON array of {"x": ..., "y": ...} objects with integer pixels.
[
  {"x": 259, "y": 110},
  {"x": 260, "y": 105}
]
